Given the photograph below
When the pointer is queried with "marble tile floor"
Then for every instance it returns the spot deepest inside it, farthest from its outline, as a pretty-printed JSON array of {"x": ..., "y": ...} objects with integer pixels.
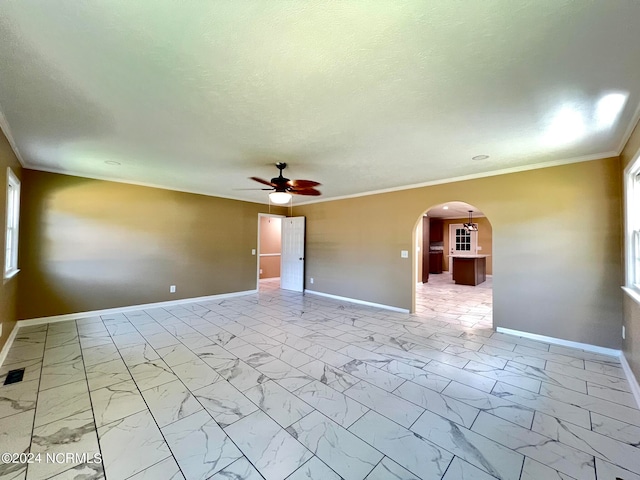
[{"x": 280, "y": 385}]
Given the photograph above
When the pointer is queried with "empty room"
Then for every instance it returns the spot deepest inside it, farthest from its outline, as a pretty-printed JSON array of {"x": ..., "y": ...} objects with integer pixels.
[{"x": 320, "y": 240}]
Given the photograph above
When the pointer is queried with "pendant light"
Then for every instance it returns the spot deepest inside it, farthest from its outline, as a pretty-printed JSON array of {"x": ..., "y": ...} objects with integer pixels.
[{"x": 471, "y": 227}]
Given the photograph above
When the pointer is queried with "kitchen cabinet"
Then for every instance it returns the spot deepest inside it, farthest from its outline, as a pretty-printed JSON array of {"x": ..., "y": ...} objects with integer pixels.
[
  {"x": 436, "y": 230},
  {"x": 435, "y": 262},
  {"x": 425, "y": 249},
  {"x": 469, "y": 269}
]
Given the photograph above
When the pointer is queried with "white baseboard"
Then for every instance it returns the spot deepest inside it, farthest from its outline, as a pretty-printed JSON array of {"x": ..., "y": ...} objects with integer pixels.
[
  {"x": 5, "y": 349},
  {"x": 108, "y": 311},
  {"x": 631, "y": 378},
  {"x": 633, "y": 381},
  {"x": 359, "y": 302},
  {"x": 559, "y": 341}
]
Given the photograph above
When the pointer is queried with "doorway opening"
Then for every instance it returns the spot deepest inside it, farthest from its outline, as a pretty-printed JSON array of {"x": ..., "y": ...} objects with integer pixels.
[
  {"x": 453, "y": 276},
  {"x": 281, "y": 247},
  {"x": 269, "y": 251}
]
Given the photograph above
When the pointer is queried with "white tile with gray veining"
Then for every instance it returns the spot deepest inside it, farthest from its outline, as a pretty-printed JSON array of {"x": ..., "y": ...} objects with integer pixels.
[
  {"x": 334, "y": 377},
  {"x": 315, "y": 388},
  {"x": 200, "y": 446},
  {"x": 421, "y": 457},
  {"x": 281, "y": 405},
  {"x": 131, "y": 445},
  {"x": 224, "y": 402},
  {"x": 435, "y": 402},
  {"x": 116, "y": 401},
  {"x": 241, "y": 469},
  {"x": 272, "y": 450},
  {"x": 170, "y": 402},
  {"x": 551, "y": 453},
  {"x": 392, "y": 406},
  {"x": 314, "y": 469},
  {"x": 478, "y": 450},
  {"x": 340, "y": 449},
  {"x": 587, "y": 441},
  {"x": 335, "y": 405}
]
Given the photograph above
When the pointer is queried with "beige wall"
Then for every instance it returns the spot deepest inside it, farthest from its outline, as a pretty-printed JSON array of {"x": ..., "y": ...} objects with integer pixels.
[
  {"x": 556, "y": 247},
  {"x": 270, "y": 243},
  {"x": 90, "y": 244},
  {"x": 485, "y": 240},
  {"x": 631, "y": 321},
  {"x": 9, "y": 288}
]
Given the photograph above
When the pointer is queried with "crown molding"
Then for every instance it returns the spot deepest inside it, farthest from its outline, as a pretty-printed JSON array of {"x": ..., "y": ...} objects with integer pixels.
[
  {"x": 4, "y": 126},
  {"x": 105, "y": 178},
  {"x": 630, "y": 128},
  {"x": 492, "y": 173}
]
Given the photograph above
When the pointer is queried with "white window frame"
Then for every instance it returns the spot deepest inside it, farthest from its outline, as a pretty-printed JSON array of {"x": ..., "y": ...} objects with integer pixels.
[{"x": 12, "y": 224}]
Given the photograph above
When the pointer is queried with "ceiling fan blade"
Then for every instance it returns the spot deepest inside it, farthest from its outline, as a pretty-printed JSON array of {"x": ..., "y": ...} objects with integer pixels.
[
  {"x": 303, "y": 183},
  {"x": 260, "y": 180},
  {"x": 253, "y": 188},
  {"x": 305, "y": 191}
]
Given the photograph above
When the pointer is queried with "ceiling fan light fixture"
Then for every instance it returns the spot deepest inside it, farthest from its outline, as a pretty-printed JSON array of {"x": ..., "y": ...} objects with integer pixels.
[{"x": 280, "y": 198}]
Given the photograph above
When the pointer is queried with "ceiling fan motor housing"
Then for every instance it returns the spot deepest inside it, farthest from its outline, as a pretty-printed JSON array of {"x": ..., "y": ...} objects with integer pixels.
[{"x": 280, "y": 182}]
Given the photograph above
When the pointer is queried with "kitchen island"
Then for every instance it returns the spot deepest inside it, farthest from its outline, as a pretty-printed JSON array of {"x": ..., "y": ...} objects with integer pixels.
[{"x": 469, "y": 269}]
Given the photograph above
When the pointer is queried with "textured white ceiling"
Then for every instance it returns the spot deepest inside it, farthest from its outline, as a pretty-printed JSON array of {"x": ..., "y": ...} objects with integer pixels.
[
  {"x": 454, "y": 210},
  {"x": 358, "y": 95}
]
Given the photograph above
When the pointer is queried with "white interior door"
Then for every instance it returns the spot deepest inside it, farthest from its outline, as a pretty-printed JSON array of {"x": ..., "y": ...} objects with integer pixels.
[
  {"x": 461, "y": 242},
  {"x": 292, "y": 254}
]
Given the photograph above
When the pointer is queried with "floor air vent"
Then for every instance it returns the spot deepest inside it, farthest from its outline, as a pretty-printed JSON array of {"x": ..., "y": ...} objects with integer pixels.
[{"x": 14, "y": 376}]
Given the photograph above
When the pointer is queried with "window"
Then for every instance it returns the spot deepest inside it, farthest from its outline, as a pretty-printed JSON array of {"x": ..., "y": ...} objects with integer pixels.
[
  {"x": 13, "y": 216},
  {"x": 463, "y": 239},
  {"x": 632, "y": 227}
]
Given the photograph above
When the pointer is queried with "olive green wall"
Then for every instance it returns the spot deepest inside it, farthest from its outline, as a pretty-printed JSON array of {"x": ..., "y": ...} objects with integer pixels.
[
  {"x": 90, "y": 245},
  {"x": 631, "y": 321},
  {"x": 8, "y": 288},
  {"x": 556, "y": 247}
]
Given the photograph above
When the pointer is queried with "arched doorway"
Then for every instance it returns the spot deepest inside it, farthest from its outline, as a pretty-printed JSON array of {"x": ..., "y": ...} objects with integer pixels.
[{"x": 453, "y": 275}]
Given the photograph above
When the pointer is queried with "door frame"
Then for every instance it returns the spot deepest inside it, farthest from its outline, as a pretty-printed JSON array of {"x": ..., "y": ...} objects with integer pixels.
[{"x": 260, "y": 215}]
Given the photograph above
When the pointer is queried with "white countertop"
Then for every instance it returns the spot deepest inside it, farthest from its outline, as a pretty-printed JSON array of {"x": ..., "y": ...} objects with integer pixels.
[{"x": 469, "y": 256}]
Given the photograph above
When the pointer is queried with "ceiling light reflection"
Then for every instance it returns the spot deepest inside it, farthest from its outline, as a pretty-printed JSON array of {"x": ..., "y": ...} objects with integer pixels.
[
  {"x": 565, "y": 127},
  {"x": 609, "y": 109}
]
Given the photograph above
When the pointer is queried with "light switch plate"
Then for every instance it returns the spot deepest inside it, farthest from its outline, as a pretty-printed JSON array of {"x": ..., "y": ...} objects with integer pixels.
[
  {"x": 253, "y": 251},
  {"x": 404, "y": 253}
]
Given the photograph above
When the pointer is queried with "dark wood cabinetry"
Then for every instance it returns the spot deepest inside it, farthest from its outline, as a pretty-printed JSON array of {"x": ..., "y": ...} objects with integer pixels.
[
  {"x": 436, "y": 230},
  {"x": 425, "y": 249},
  {"x": 435, "y": 262},
  {"x": 469, "y": 270}
]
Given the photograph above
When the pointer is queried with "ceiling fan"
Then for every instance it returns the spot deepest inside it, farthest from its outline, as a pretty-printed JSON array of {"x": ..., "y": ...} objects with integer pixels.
[{"x": 282, "y": 188}]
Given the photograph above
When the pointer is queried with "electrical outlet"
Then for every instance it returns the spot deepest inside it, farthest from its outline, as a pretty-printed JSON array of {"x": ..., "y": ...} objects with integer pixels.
[
  {"x": 311, "y": 280},
  {"x": 260, "y": 271},
  {"x": 404, "y": 253},
  {"x": 172, "y": 289},
  {"x": 624, "y": 333}
]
